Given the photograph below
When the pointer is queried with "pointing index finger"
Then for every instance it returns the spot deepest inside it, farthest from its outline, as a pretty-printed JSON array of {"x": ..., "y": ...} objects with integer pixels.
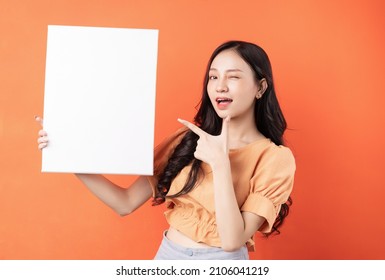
[{"x": 192, "y": 127}]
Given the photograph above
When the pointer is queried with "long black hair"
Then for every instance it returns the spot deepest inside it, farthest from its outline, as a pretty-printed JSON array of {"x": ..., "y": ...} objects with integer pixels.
[{"x": 267, "y": 114}]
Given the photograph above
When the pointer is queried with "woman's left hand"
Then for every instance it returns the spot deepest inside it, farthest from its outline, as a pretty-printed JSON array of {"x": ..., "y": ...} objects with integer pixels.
[{"x": 211, "y": 149}]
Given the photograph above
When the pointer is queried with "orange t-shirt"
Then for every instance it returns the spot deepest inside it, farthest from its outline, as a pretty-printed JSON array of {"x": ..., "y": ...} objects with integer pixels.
[{"x": 263, "y": 177}]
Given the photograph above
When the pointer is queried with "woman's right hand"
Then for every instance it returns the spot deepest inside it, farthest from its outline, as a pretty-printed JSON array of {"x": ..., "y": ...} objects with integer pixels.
[{"x": 43, "y": 137}]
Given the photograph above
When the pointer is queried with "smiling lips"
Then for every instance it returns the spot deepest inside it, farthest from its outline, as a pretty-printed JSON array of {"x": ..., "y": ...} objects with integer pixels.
[{"x": 223, "y": 102}]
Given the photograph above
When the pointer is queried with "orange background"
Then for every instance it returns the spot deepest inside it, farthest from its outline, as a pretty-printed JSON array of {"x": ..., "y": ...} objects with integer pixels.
[{"x": 328, "y": 60}]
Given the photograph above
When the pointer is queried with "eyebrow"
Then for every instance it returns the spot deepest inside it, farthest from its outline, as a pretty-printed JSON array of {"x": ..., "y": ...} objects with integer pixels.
[{"x": 228, "y": 70}]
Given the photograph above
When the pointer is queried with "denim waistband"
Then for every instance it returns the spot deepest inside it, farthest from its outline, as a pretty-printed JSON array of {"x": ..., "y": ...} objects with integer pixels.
[{"x": 169, "y": 250}]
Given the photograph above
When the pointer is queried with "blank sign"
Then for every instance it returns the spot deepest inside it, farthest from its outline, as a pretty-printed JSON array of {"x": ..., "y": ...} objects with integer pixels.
[{"x": 99, "y": 100}]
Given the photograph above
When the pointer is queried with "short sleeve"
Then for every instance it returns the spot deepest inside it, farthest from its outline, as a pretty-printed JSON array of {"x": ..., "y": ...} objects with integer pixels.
[
  {"x": 161, "y": 155},
  {"x": 271, "y": 185}
]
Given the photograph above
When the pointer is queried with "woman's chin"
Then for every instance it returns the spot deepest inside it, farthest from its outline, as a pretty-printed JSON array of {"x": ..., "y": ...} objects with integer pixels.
[{"x": 222, "y": 113}]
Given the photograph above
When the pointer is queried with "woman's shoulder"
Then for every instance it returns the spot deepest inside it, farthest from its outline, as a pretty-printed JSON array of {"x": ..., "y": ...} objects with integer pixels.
[{"x": 278, "y": 155}]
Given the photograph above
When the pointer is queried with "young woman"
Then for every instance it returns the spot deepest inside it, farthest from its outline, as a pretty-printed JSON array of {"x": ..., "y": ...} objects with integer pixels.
[{"x": 223, "y": 178}]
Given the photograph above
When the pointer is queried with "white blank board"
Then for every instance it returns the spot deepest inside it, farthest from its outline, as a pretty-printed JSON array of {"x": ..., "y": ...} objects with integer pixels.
[{"x": 99, "y": 100}]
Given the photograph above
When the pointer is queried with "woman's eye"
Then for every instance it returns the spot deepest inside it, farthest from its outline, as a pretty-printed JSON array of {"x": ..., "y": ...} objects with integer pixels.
[
  {"x": 234, "y": 77},
  {"x": 212, "y": 77}
]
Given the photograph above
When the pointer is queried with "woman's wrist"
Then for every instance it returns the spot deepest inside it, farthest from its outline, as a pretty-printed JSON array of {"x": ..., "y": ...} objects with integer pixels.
[{"x": 221, "y": 164}]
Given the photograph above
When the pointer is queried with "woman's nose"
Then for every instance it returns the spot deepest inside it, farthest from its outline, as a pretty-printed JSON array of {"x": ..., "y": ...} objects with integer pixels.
[{"x": 221, "y": 86}]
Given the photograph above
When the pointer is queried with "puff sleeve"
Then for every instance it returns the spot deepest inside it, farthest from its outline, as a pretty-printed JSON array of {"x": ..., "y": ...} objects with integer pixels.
[
  {"x": 271, "y": 185},
  {"x": 161, "y": 155}
]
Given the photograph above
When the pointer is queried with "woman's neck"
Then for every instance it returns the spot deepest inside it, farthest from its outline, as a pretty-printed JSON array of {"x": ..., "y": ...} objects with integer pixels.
[{"x": 243, "y": 131}]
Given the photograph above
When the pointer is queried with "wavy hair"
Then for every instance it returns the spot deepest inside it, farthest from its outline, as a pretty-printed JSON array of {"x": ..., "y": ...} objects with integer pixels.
[{"x": 268, "y": 117}]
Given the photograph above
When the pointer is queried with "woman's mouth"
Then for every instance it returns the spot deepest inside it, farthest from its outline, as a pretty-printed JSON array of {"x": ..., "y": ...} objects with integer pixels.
[{"x": 223, "y": 102}]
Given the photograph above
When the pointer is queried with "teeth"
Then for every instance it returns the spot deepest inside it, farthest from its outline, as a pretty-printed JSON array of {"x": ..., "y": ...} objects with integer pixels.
[{"x": 219, "y": 100}]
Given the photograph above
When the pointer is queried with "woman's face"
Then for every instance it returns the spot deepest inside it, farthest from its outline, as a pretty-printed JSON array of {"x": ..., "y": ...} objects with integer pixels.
[{"x": 232, "y": 87}]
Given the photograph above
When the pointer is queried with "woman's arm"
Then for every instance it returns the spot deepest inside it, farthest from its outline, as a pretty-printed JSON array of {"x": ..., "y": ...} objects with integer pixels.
[
  {"x": 234, "y": 227},
  {"x": 122, "y": 200}
]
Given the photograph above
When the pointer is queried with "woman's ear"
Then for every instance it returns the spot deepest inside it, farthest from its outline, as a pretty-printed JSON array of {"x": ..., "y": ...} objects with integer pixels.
[{"x": 262, "y": 88}]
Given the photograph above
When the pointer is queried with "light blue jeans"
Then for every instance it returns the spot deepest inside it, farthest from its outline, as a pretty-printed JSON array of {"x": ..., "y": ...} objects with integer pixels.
[{"x": 169, "y": 250}]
